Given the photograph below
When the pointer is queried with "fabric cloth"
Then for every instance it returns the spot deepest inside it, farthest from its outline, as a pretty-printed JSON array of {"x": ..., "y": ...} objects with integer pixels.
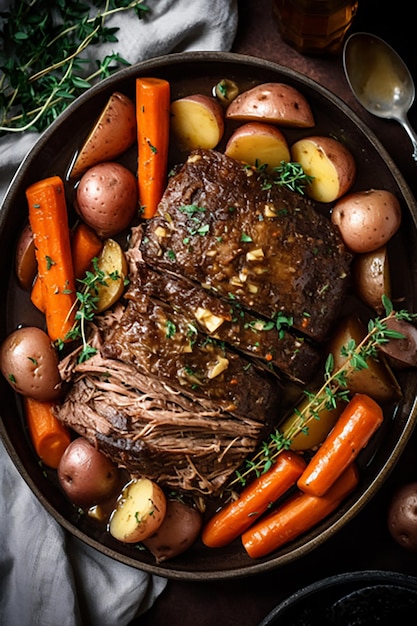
[{"x": 47, "y": 576}]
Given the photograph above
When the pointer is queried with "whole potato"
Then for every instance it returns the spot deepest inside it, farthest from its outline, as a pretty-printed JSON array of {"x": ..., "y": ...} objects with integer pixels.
[
  {"x": 29, "y": 363},
  {"x": 367, "y": 219},
  {"x": 402, "y": 516},
  {"x": 86, "y": 475},
  {"x": 107, "y": 198},
  {"x": 179, "y": 530}
]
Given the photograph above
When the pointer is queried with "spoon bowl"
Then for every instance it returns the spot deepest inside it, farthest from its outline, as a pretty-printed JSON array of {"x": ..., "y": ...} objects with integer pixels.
[{"x": 380, "y": 80}]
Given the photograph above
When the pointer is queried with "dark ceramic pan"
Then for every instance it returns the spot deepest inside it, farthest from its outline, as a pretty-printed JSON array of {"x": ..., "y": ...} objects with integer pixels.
[{"x": 188, "y": 73}]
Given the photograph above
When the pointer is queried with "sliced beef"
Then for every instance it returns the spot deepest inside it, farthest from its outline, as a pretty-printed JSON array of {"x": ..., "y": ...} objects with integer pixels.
[
  {"x": 224, "y": 226},
  {"x": 226, "y": 321},
  {"x": 160, "y": 342},
  {"x": 152, "y": 430}
]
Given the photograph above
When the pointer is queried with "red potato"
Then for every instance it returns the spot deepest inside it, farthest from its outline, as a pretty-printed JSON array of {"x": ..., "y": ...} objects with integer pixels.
[
  {"x": 29, "y": 363},
  {"x": 179, "y": 530},
  {"x": 367, "y": 219},
  {"x": 25, "y": 260},
  {"x": 86, "y": 475},
  {"x": 258, "y": 144},
  {"x": 402, "y": 516},
  {"x": 139, "y": 513},
  {"x": 107, "y": 198},
  {"x": 113, "y": 133},
  {"x": 331, "y": 165},
  {"x": 371, "y": 278},
  {"x": 401, "y": 353},
  {"x": 276, "y": 103},
  {"x": 377, "y": 380},
  {"x": 197, "y": 121}
]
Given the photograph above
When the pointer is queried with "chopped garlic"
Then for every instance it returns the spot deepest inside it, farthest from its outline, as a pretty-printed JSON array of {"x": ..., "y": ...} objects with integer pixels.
[
  {"x": 211, "y": 321},
  {"x": 220, "y": 366}
]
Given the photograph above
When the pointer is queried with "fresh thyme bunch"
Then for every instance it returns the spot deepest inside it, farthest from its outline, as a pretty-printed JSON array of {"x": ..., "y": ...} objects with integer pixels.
[
  {"x": 42, "y": 66},
  {"x": 333, "y": 390}
]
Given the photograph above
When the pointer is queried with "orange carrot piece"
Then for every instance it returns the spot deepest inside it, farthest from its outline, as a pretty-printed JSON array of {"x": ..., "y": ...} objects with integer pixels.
[
  {"x": 49, "y": 222},
  {"x": 49, "y": 436},
  {"x": 153, "y": 121},
  {"x": 352, "y": 431},
  {"x": 297, "y": 515},
  {"x": 85, "y": 245},
  {"x": 236, "y": 517}
]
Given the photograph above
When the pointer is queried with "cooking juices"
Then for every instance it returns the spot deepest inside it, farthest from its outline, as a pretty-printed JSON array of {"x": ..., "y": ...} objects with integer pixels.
[{"x": 314, "y": 26}]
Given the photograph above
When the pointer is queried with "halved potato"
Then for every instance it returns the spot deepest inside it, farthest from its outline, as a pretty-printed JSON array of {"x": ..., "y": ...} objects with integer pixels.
[
  {"x": 113, "y": 133},
  {"x": 329, "y": 162},
  {"x": 371, "y": 277},
  {"x": 139, "y": 513},
  {"x": 313, "y": 433},
  {"x": 276, "y": 103},
  {"x": 113, "y": 265},
  {"x": 258, "y": 144},
  {"x": 377, "y": 380},
  {"x": 197, "y": 122}
]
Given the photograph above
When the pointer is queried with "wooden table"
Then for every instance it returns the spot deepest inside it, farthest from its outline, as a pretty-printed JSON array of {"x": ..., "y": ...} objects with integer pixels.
[{"x": 364, "y": 543}]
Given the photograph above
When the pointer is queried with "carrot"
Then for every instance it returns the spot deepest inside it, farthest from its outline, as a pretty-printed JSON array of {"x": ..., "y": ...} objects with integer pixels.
[
  {"x": 153, "y": 117},
  {"x": 85, "y": 245},
  {"x": 49, "y": 222},
  {"x": 352, "y": 431},
  {"x": 254, "y": 500},
  {"x": 297, "y": 515},
  {"x": 49, "y": 436}
]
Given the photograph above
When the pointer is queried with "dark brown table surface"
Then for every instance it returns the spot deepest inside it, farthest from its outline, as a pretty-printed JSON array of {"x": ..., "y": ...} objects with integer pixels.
[{"x": 364, "y": 544}]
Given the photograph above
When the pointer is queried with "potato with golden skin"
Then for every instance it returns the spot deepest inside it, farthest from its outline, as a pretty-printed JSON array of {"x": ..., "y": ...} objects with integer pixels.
[
  {"x": 276, "y": 103},
  {"x": 107, "y": 198},
  {"x": 367, "y": 219},
  {"x": 330, "y": 164},
  {"x": 29, "y": 362}
]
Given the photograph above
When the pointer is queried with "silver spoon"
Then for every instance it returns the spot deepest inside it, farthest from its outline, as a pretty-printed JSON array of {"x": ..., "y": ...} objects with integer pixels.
[{"x": 380, "y": 80}]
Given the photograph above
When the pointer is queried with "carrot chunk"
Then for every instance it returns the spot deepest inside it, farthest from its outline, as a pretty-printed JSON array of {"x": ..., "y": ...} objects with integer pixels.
[
  {"x": 153, "y": 123},
  {"x": 297, "y": 515},
  {"x": 254, "y": 500},
  {"x": 49, "y": 436},
  {"x": 49, "y": 222},
  {"x": 352, "y": 431}
]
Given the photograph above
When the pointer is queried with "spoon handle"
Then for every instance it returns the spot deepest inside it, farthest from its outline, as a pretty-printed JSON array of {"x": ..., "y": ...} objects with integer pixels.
[{"x": 411, "y": 133}]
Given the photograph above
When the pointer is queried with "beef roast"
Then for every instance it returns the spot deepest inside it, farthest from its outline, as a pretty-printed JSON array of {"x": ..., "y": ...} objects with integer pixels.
[
  {"x": 226, "y": 321},
  {"x": 161, "y": 343},
  {"x": 220, "y": 223},
  {"x": 153, "y": 430}
]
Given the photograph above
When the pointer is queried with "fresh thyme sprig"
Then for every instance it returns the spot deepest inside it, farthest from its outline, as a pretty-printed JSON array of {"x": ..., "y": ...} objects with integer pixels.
[
  {"x": 333, "y": 390},
  {"x": 86, "y": 303},
  {"x": 292, "y": 176},
  {"x": 41, "y": 56}
]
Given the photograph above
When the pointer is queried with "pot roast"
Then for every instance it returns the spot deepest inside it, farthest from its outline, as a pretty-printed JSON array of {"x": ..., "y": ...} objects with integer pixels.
[{"x": 233, "y": 285}]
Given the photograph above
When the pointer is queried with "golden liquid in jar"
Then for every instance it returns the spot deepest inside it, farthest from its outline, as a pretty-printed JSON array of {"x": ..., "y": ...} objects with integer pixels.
[{"x": 314, "y": 26}]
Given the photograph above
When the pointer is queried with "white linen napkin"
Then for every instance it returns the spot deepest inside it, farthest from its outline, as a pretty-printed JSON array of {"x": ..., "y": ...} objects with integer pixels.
[{"x": 47, "y": 576}]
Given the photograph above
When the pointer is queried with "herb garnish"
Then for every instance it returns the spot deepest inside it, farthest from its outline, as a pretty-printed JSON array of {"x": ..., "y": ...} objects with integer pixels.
[
  {"x": 333, "y": 390},
  {"x": 42, "y": 61},
  {"x": 290, "y": 175}
]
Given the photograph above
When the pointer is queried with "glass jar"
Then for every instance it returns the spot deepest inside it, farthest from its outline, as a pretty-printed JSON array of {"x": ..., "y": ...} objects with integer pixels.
[{"x": 315, "y": 26}]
